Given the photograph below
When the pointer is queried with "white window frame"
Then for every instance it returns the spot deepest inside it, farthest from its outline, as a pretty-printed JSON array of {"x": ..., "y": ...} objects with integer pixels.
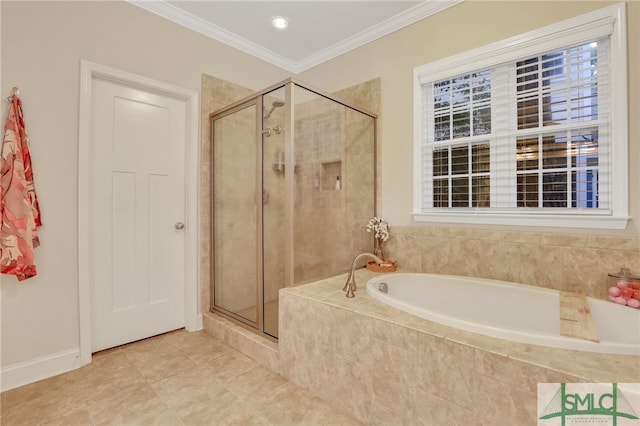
[{"x": 607, "y": 21}]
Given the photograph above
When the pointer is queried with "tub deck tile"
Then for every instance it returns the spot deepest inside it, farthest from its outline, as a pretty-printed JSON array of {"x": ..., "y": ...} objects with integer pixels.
[{"x": 586, "y": 365}]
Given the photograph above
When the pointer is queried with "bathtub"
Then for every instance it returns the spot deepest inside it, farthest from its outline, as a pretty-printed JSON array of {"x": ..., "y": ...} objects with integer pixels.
[{"x": 516, "y": 312}]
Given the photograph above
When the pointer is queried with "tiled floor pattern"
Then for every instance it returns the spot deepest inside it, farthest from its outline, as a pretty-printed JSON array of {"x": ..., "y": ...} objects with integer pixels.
[{"x": 179, "y": 378}]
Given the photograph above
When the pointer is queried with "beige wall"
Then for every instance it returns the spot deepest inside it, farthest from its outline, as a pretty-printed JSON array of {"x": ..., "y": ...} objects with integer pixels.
[
  {"x": 42, "y": 45},
  {"x": 477, "y": 23}
]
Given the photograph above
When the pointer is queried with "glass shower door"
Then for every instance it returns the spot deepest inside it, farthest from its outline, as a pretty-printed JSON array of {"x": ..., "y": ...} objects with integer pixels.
[
  {"x": 293, "y": 187},
  {"x": 234, "y": 214},
  {"x": 274, "y": 227}
]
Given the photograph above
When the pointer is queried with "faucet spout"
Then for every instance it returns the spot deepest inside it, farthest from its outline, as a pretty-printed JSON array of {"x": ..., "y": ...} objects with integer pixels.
[{"x": 350, "y": 285}]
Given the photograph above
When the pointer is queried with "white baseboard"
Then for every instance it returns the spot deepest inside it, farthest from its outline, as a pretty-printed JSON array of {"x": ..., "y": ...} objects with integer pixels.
[
  {"x": 195, "y": 324},
  {"x": 23, "y": 373},
  {"x": 26, "y": 372}
]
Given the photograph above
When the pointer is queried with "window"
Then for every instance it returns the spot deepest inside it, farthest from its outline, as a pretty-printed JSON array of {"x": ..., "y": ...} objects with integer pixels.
[{"x": 530, "y": 131}]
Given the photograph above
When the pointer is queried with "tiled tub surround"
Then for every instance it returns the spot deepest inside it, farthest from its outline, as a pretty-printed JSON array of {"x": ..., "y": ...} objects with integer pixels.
[
  {"x": 568, "y": 262},
  {"x": 385, "y": 366}
]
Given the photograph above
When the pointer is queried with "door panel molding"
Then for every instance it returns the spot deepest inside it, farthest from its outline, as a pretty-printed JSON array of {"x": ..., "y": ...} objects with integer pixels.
[{"x": 90, "y": 71}]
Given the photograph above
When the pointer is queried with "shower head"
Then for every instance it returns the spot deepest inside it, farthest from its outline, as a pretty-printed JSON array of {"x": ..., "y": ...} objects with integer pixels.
[{"x": 274, "y": 105}]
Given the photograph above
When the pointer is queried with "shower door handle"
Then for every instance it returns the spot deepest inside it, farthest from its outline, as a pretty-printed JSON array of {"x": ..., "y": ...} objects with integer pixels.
[
  {"x": 179, "y": 225},
  {"x": 265, "y": 197}
]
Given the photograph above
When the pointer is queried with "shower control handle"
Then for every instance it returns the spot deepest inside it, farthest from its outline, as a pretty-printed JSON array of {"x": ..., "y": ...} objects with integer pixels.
[{"x": 179, "y": 225}]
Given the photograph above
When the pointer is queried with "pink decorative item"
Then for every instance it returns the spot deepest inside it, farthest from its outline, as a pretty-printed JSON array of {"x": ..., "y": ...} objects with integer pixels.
[
  {"x": 624, "y": 288},
  {"x": 626, "y": 292},
  {"x": 634, "y": 303}
]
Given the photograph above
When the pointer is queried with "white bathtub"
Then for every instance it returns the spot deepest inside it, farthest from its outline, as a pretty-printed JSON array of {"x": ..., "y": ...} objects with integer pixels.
[{"x": 517, "y": 312}]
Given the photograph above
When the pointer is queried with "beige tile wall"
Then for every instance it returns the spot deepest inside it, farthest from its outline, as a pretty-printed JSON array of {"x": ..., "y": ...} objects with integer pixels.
[
  {"x": 562, "y": 262},
  {"x": 333, "y": 140}
]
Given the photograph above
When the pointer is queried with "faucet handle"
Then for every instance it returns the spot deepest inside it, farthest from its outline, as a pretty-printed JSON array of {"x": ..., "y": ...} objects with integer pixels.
[{"x": 350, "y": 286}]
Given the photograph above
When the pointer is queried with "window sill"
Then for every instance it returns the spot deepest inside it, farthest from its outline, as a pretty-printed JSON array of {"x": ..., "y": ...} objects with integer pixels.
[{"x": 589, "y": 221}]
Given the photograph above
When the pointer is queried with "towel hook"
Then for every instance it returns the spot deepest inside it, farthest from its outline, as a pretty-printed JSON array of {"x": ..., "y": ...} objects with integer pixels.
[{"x": 14, "y": 92}]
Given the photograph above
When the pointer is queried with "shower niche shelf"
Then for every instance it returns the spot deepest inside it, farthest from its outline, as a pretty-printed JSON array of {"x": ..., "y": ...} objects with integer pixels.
[{"x": 331, "y": 170}]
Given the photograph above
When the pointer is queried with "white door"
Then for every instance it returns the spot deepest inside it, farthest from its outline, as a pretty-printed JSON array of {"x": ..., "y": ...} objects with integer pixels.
[{"x": 136, "y": 214}]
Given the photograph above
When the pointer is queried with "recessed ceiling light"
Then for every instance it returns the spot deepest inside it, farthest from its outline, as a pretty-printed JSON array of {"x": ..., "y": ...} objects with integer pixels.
[{"x": 280, "y": 22}]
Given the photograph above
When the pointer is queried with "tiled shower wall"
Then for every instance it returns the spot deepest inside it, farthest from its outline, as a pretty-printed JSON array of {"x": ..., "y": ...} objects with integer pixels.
[
  {"x": 330, "y": 225},
  {"x": 558, "y": 261}
]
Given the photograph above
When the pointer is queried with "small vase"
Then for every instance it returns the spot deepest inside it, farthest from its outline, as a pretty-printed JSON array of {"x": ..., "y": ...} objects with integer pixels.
[{"x": 377, "y": 249}]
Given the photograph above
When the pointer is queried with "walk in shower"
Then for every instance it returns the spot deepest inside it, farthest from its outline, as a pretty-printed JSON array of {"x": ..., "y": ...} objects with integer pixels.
[{"x": 293, "y": 187}]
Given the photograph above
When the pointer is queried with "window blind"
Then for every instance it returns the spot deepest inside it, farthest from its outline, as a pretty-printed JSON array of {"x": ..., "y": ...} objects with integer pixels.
[{"x": 527, "y": 134}]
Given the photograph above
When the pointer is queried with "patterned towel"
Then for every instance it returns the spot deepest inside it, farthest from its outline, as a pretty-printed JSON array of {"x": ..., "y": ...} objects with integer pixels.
[{"x": 19, "y": 210}]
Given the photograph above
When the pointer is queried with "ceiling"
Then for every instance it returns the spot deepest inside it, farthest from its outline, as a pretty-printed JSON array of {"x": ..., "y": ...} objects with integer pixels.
[{"x": 318, "y": 30}]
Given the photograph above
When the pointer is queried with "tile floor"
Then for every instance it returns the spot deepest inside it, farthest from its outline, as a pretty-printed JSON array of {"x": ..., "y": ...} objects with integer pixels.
[{"x": 178, "y": 378}]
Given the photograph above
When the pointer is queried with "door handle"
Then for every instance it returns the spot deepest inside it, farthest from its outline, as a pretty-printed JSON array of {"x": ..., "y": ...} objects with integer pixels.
[{"x": 179, "y": 225}]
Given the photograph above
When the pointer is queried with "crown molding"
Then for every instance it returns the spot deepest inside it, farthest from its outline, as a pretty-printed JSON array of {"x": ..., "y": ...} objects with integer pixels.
[
  {"x": 188, "y": 20},
  {"x": 192, "y": 22},
  {"x": 395, "y": 23}
]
